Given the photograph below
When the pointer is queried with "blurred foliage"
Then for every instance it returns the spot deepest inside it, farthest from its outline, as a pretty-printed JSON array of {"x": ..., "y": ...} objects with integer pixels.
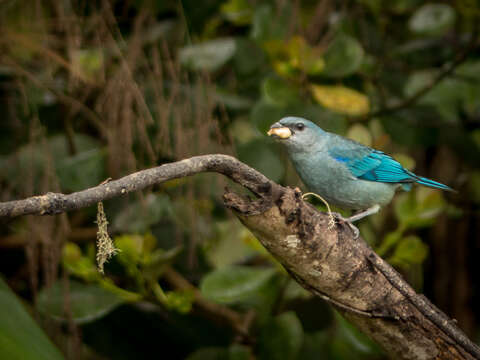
[
  {"x": 92, "y": 90},
  {"x": 20, "y": 336}
]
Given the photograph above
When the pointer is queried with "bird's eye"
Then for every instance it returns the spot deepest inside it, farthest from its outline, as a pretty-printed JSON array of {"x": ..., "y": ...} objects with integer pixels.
[{"x": 300, "y": 126}]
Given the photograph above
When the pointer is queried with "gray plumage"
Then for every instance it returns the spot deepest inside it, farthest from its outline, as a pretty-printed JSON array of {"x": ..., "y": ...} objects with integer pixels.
[{"x": 344, "y": 172}]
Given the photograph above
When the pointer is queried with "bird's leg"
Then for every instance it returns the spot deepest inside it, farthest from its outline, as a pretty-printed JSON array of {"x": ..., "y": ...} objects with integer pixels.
[
  {"x": 340, "y": 218},
  {"x": 349, "y": 221},
  {"x": 370, "y": 211}
]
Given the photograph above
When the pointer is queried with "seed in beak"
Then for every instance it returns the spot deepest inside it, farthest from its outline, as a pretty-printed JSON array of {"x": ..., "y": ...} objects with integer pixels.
[{"x": 281, "y": 132}]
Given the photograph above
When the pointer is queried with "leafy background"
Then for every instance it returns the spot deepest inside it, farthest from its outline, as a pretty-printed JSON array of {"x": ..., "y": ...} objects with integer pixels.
[{"x": 91, "y": 90}]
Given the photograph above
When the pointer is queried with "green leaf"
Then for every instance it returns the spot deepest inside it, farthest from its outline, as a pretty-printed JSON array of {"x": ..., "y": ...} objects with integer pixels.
[
  {"x": 232, "y": 101},
  {"x": 407, "y": 161},
  {"x": 82, "y": 170},
  {"x": 87, "y": 62},
  {"x": 234, "y": 352},
  {"x": 403, "y": 6},
  {"x": 86, "y": 302},
  {"x": 76, "y": 172},
  {"x": 239, "y": 352},
  {"x": 432, "y": 19},
  {"x": 249, "y": 57},
  {"x": 209, "y": 55},
  {"x": 180, "y": 301},
  {"x": 130, "y": 248},
  {"x": 343, "y": 57},
  {"x": 209, "y": 353},
  {"x": 350, "y": 343},
  {"x": 277, "y": 91},
  {"x": 360, "y": 133},
  {"x": 315, "y": 346},
  {"x": 281, "y": 338},
  {"x": 295, "y": 57},
  {"x": 264, "y": 29},
  {"x": 81, "y": 266},
  {"x": 410, "y": 250},
  {"x": 135, "y": 249},
  {"x": 242, "y": 131},
  {"x": 235, "y": 283},
  {"x": 264, "y": 114},
  {"x": 140, "y": 215},
  {"x": 341, "y": 99},
  {"x": 262, "y": 157},
  {"x": 153, "y": 259},
  {"x": 389, "y": 241},
  {"x": 446, "y": 97},
  {"x": 20, "y": 336},
  {"x": 239, "y": 12},
  {"x": 230, "y": 244},
  {"x": 419, "y": 208}
]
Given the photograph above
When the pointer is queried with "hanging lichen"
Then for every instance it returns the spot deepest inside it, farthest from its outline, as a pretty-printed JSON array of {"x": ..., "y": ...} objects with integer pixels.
[{"x": 105, "y": 247}]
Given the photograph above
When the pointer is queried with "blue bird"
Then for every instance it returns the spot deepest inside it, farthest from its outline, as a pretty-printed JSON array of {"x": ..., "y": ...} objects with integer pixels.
[{"x": 342, "y": 171}]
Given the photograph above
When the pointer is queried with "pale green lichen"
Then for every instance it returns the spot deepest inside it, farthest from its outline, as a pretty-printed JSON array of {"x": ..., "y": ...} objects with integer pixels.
[{"x": 105, "y": 247}]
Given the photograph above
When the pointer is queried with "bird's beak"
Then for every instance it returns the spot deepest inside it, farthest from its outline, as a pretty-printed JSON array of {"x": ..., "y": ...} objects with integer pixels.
[{"x": 280, "y": 131}]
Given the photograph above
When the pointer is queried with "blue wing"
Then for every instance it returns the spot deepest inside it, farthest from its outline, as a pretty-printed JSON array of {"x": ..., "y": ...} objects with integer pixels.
[{"x": 373, "y": 165}]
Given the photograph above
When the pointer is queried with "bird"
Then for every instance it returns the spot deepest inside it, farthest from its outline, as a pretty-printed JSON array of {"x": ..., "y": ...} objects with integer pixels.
[{"x": 344, "y": 172}]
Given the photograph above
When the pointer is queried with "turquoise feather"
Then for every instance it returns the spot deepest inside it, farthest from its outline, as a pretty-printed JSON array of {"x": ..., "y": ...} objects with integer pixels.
[{"x": 344, "y": 172}]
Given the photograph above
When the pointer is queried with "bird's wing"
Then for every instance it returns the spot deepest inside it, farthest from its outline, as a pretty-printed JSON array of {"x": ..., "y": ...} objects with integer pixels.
[{"x": 369, "y": 164}]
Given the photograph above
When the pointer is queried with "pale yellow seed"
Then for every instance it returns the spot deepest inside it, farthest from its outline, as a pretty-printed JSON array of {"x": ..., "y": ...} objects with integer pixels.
[{"x": 281, "y": 132}]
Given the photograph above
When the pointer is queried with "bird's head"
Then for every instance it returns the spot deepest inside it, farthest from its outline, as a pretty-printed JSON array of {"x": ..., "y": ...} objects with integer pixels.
[{"x": 296, "y": 133}]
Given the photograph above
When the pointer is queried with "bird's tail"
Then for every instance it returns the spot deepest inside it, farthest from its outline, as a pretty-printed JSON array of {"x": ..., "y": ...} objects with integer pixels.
[{"x": 430, "y": 183}]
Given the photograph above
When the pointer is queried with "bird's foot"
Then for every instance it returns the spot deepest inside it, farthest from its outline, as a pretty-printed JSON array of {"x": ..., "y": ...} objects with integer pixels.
[
  {"x": 341, "y": 219},
  {"x": 349, "y": 221},
  {"x": 335, "y": 217}
]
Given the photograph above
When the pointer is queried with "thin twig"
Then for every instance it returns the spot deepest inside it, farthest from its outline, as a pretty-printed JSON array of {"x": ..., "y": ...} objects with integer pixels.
[
  {"x": 89, "y": 114},
  {"x": 414, "y": 98},
  {"x": 55, "y": 203},
  {"x": 240, "y": 323}
]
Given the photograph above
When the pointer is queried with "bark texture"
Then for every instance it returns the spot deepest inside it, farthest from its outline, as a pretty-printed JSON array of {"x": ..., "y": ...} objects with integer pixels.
[
  {"x": 348, "y": 274},
  {"x": 328, "y": 261}
]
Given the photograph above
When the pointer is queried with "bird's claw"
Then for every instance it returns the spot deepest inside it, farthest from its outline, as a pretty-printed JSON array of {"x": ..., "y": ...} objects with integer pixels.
[
  {"x": 335, "y": 216},
  {"x": 341, "y": 219}
]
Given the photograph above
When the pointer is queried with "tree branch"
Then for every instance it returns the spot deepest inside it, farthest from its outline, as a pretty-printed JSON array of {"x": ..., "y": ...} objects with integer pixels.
[
  {"x": 219, "y": 313},
  {"x": 55, "y": 203},
  {"x": 447, "y": 71},
  {"x": 328, "y": 262}
]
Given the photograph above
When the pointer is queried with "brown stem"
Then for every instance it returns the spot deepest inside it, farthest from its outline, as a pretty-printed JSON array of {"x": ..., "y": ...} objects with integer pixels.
[
  {"x": 238, "y": 322},
  {"x": 448, "y": 70}
]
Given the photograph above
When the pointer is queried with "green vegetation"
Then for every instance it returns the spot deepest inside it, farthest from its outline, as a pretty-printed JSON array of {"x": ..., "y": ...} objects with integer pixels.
[{"x": 98, "y": 89}]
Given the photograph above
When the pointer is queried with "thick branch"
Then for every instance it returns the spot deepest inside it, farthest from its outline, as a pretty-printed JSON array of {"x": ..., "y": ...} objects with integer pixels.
[
  {"x": 328, "y": 262},
  {"x": 349, "y": 275}
]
